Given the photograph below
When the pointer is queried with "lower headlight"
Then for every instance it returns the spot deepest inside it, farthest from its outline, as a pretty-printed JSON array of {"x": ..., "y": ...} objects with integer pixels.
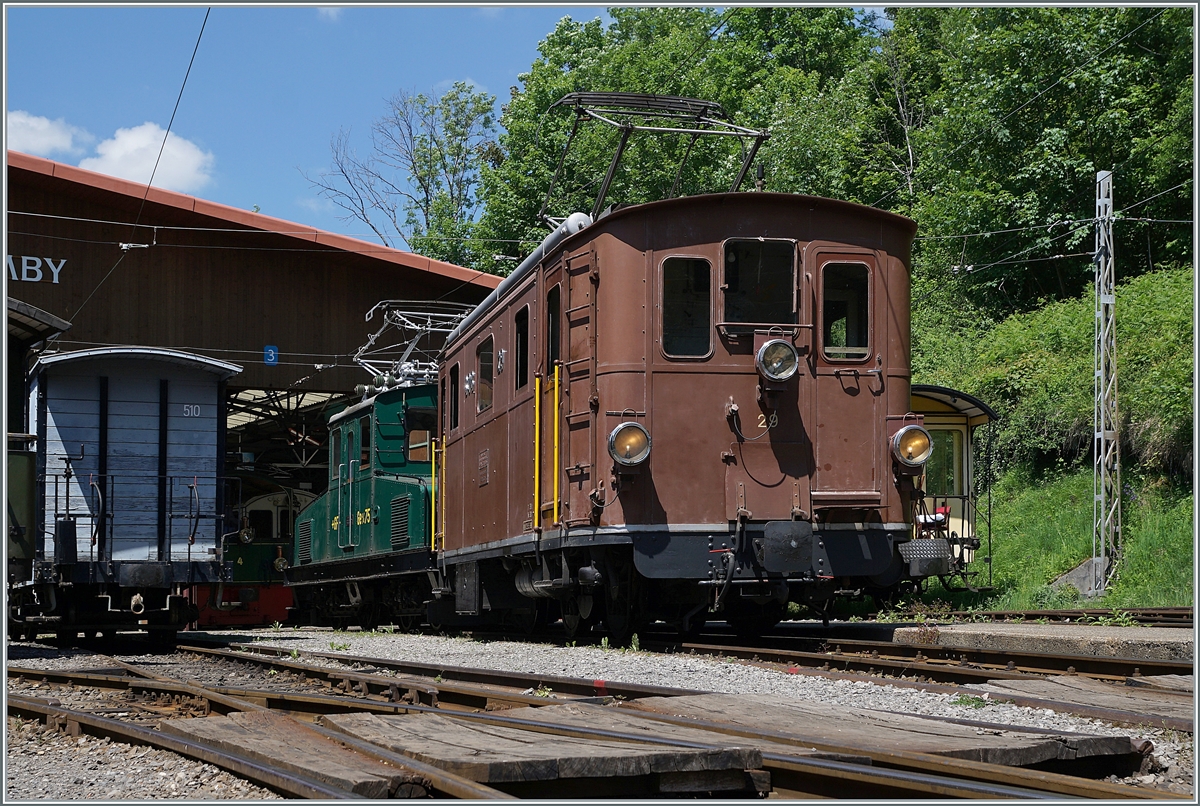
[
  {"x": 777, "y": 360},
  {"x": 912, "y": 446},
  {"x": 629, "y": 444},
  {"x": 281, "y": 564}
]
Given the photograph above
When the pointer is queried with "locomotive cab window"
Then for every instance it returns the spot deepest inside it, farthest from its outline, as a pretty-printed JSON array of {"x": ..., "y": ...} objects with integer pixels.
[
  {"x": 686, "y": 307},
  {"x": 521, "y": 320},
  {"x": 486, "y": 360},
  {"x": 760, "y": 282},
  {"x": 455, "y": 393},
  {"x": 364, "y": 462},
  {"x": 262, "y": 521},
  {"x": 335, "y": 454},
  {"x": 417, "y": 434},
  {"x": 845, "y": 313},
  {"x": 551, "y": 329}
]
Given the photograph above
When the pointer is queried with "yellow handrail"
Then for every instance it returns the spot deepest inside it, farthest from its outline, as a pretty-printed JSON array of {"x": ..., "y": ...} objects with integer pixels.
[
  {"x": 556, "y": 445},
  {"x": 537, "y": 450},
  {"x": 442, "y": 493},
  {"x": 433, "y": 493}
]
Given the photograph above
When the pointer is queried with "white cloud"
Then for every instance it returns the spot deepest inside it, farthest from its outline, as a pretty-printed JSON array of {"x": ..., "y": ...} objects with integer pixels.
[
  {"x": 130, "y": 154},
  {"x": 489, "y": 12},
  {"x": 318, "y": 205},
  {"x": 32, "y": 134},
  {"x": 330, "y": 12}
]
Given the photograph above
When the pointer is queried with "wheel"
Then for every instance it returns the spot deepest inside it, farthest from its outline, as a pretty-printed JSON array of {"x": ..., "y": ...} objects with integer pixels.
[
  {"x": 695, "y": 626},
  {"x": 571, "y": 619},
  {"x": 408, "y": 623},
  {"x": 524, "y": 622},
  {"x": 370, "y": 617},
  {"x": 618, "y": 620},
  {"x": 623, "y": 608}
]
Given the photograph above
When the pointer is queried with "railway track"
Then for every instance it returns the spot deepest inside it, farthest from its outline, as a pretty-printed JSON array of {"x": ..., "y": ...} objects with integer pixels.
[
  {"x": 134, "y": 694},
  {"x": 925, "y": 661},
  {"x": 1142, "y": 616}
]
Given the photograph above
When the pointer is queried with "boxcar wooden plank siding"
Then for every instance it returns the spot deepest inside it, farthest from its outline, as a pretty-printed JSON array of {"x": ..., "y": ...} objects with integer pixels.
[
  {"x": 213, "y": 279},
  {"x": 137, "y": 496}
]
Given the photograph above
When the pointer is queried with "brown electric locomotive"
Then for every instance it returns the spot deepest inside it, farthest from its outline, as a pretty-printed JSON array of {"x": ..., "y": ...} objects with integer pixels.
[{"x": 687, "y": 409}]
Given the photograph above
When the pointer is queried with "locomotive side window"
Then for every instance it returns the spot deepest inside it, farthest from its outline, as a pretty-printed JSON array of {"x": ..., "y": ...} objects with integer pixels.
[
  {"x": 364, "y": 442},
  {"x": 687, "y": 307},
  {"x": 760, "y": 282},
  {"x": 486, "y": 357},
  {"x": 418, "y": 430},
  {"x": 521, "y": 320},
  {"x": 455, "y": 392},
  {"x": 943, "y": 475},
  {"x": 845, "y": 317},
  {"x": 445, "y": 408},
  {"x": 551, "y": 329},
  {"x": 335, "y": 454}
]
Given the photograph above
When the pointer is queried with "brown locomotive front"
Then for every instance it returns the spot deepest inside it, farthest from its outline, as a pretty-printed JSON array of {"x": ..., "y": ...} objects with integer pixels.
[{"x": 689, "y": 407}]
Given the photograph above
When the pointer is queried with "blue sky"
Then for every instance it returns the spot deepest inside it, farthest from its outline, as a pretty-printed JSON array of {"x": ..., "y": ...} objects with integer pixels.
[{"x": 94, "y": 87}]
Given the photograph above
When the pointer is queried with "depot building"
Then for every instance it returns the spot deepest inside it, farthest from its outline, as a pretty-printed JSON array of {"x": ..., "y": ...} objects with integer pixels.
[{"x": 102, "y": 267}]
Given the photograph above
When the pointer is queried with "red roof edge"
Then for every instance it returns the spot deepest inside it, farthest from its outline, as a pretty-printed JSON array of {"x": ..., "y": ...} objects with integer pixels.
[{"x": 234, "y": 215}]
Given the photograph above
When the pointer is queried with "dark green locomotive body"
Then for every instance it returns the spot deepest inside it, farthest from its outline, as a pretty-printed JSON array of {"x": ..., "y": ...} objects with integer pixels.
[{"x": 362, "y": 548}]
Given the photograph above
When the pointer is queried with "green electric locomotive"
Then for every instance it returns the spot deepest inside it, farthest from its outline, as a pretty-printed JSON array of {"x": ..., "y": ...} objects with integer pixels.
[{"x": 363, "y": 549}]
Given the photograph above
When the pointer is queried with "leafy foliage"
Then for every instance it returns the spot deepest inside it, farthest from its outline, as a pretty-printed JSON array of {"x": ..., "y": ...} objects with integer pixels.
[
  {"x": 1036, "y": 370},
  {"x": 744, "y": 58},
  {"x": 419, "y": 183}
]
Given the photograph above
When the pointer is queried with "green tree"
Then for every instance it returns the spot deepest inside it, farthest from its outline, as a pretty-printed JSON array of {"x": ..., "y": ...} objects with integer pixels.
[
  {"x": 420, "y": 184},
  {"x": 751, "y": 61},
  {"x": 1021, "y": 107}
]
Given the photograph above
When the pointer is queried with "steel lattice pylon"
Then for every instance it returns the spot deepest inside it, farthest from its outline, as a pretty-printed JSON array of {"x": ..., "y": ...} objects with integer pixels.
[{"x": 1106, "y": 483}]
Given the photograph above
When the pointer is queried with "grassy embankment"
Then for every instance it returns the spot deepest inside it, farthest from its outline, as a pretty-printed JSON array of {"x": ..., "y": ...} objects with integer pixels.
[{"x": 1036, "y": 370}]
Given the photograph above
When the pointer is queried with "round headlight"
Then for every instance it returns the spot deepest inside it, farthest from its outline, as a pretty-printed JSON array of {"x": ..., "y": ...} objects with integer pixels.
[
  {"x": 777, "y": 360},
  {"x": 629, "y": 444},
  {"x": 912, "y": 445},
  {"x": 281, "y": 564}
]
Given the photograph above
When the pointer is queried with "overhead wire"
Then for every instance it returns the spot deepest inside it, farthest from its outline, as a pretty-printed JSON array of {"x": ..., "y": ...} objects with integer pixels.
[
  {"x": 161, "y": 148},
  {"x": 1084, "y": 223}
]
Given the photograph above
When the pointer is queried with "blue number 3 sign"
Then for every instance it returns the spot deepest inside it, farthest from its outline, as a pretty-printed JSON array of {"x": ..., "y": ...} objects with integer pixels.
[{"x": 270, "y": 355}]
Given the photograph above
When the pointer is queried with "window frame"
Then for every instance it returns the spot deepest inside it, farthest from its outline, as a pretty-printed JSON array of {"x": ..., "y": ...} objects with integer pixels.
[
  {"x": 521, "y": 348},
  {"x": 959, "y": 459},
  {"x": 480, "y": 408},
  {"x": 820, "y": 324},
  {"x": 335, "y": 455},
  {"x": 430, "y": 433},
  {"x": 553, "y": 327},
  {"x": 724, "y": 285},
  {"x": 662, "y": 305},
  {"x": 455, "y": 395},
  {"x": 366, "y": 442}
]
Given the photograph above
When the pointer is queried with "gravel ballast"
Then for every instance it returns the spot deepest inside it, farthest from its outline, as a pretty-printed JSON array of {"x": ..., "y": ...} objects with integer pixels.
[{"x": 1171, "y": 765}]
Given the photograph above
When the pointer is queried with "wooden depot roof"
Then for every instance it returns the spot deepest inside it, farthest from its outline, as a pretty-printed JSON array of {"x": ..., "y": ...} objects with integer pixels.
[{"x": 48, "y": 170}]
